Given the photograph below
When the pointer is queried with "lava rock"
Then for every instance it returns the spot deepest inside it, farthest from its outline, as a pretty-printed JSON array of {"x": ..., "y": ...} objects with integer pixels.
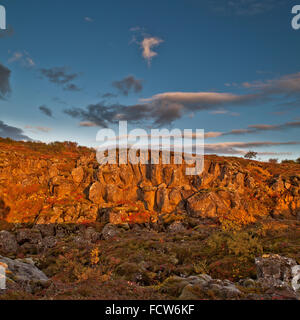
[
  {"x": 110, "y": 231},
  {"x": 24, "y": 273},
  {"x": 8, "y": 243}
]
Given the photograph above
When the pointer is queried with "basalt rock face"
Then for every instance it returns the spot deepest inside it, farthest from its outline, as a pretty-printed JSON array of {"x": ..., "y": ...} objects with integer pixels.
[{"x": 46, "y": 187}]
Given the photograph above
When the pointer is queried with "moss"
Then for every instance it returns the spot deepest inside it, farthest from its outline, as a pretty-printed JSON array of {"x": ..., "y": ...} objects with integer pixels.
[{"x": 173, "y": 286}]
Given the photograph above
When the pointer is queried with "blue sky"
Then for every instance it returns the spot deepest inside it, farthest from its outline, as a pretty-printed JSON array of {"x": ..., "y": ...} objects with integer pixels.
[{"x": 214, "y": 65}]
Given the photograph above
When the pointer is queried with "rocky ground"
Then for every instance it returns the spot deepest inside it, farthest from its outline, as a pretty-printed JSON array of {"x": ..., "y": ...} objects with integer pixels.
[
  {"x": 72, "y": 229},
  {"x": 97, "y": 261}
]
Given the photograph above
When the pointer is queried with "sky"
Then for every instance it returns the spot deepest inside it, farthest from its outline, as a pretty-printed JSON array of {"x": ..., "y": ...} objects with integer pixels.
[{"x": 232, "y": 68}]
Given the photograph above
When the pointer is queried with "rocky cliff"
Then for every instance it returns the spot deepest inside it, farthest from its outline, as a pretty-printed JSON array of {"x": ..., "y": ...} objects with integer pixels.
[{"x": 63, "y": 183}]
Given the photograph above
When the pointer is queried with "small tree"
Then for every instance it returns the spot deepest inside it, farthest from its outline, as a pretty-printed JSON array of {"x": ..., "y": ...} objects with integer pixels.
[
  {"x": 298, "y": 161},
  {"x": 288, "y": 161},
  {"x": 251, "y": 155},
  {"x": 273, "y": 160}
]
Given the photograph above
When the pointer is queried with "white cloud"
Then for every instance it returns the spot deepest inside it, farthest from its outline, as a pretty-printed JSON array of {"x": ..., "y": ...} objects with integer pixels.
[
  {"x": 23, "y": 57},
  {"x": 88, "y": 19},
  {"x": 15, "y": 57},
  {"x": 136, "y": 29}
]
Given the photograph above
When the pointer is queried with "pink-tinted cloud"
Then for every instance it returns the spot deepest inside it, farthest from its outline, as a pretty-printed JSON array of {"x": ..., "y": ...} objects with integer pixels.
[{"x": 147, "y": 45}]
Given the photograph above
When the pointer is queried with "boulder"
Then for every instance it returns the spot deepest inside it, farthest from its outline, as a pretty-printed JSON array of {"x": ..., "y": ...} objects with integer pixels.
[
  {"x": 148, "y": 194},
  {"x": 296, "y": 278},
  {"x": 113, "y": 193},
  {"x": 188, "y": 293},
  {"x": 162, "y": 199},
  {"x": 53, "y": 171},
  {"x": 95, "y": 193},
  {"x": 32, "y": 236},
  {"x": 175, "y": 197},
  {"x": 24, "y": 273},
  {"x": 91, "y": 235},
  {"x": 110, "y": 231},
  {"x": 46, "y": 230},
  {"x": 174, "y": 285},
  {"x": 230, "y": 291},
  {"x": 133, "y": 272},
  {"x": 49, "y": 242},
  {"x": 78, "y": 174},
  {"x": 115, "y": 217},
  {"x": 64, "y": 190},
  {"x": 279, "y": 274},
  {"x": 247, "y": 283},
  {"x": 176, "y": 227},
  {"x": 277, "y": 185},
  {"x": 8, "y": 243},
  {"x": 206, "y": 205},
  {"x": 200, "y": 287}
]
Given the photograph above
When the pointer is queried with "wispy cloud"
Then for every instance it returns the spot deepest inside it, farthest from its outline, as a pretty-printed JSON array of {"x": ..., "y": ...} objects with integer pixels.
[
  {"x": 223, "y": 111},
  {"x": 7, "y": 131},
  {"x": 88, "y": 19},
  {"x": 103, "y": 114},
  {"x": 58, "y": 75},
  {"x": 15, "y": 57},
  {"x": 159, "y": 110},
  {"x": 128, "y": 84},
  {"x": 109, "y": 95},
  {"x": 61, "y": 76},
  {"x": 71, "y": 87},
  {"x": 165, "y": 108},
  {"x": 59, "y": 100},
  {"x": 266, "y": 127},
  {"x": 23, "y": 57},
  {"x": 136, "y": 29},
  {"x": 88, "y": 124},
  {"x": 287, "y": 84},
  {"x": 257, "y": 128},
  {"x": 241, "y": 148},
  {"x": 46, "y": 111},
  {"x": 244, "y": 7},
  {"x": 38, "y": 128}
]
